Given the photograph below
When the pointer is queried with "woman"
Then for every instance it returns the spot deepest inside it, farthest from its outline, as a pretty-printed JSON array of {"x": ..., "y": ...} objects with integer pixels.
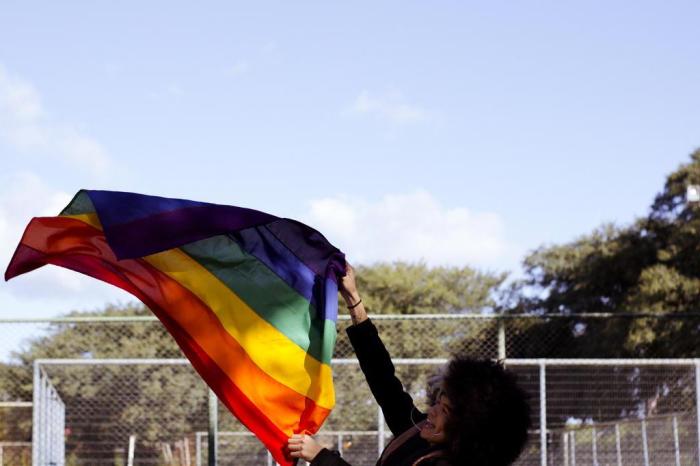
[{"x": 479, "y": 417}]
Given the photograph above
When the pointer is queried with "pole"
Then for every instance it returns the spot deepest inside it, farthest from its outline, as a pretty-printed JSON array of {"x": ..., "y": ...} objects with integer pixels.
[
  {"x": 644, "y": 442},
  {"x": 543, "y": 415},
  {"x": 676, "y": 448},
  {"x": 213, "y": 428},
  {"x": 618, "y": 448},
  {"x": 130, "y": 454},
  {"x": 186, "y": 444},
  {"x": 380, "y": 432},
  {"x": 573, "y": 448},
  {"x": 697, "y": 403},
  {"x": 594, "y": 446},
  {"x": 501, "y": 339},
  {"x": 198, "y": 449},
  {"x": 36, "y": 410}
]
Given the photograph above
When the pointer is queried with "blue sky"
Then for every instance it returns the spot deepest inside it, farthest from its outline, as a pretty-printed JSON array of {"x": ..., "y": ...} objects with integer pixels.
[{"x": 462, "y": 133}]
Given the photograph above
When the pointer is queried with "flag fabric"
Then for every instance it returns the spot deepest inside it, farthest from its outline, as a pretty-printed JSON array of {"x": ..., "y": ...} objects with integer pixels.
[{"x": 250, "y": 298}]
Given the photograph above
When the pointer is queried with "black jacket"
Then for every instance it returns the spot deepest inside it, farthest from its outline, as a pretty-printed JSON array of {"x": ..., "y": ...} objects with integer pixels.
[{"x": 400, "y": 413}]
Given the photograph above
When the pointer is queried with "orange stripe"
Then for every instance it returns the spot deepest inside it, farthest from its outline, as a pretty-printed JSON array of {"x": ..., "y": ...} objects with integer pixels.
[{"x": 65, "y": 236}]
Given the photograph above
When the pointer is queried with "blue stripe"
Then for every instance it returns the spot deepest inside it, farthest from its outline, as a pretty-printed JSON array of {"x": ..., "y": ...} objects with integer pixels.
[
  {"x": 265, "y": 246},
  {"x": 331, "y": 308}
]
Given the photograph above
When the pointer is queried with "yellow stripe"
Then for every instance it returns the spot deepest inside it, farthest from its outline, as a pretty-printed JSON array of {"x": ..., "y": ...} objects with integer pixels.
[
  {"x": 90, "y": 219},
  {"x": 270, "y": 349}
]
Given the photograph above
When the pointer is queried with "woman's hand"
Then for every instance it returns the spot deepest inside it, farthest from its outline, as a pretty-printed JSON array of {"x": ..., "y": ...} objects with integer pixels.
[
  {"x": 348, "y": 290},
  {"x": 303, "y": 446},
  {"x": 348, "y": 286}
]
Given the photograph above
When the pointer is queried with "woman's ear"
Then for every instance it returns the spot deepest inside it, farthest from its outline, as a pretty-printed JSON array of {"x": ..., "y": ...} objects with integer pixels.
[{"x": 434, "y": 387}]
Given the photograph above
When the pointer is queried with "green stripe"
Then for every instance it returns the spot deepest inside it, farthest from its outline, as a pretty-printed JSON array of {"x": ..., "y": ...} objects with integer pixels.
[
  {"x": 81, "y": 204},
  {"x": 267, "y": 294}
]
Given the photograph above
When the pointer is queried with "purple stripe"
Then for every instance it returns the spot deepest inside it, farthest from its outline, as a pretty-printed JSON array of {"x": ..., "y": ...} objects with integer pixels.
[
  {"x": 310, "y": 246},
  {"x": 117, "y": 207},
  {"x": 133, "y": 231}
]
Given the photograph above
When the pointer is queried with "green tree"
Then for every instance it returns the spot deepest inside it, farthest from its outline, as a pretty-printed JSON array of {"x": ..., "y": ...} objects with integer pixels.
[{"x": 415, "y": 288}]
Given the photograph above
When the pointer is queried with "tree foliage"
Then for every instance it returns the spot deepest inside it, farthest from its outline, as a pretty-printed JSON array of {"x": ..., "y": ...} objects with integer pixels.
[
  {"x": 651, "y": 266},
  {"x": 415, "y": 288}
]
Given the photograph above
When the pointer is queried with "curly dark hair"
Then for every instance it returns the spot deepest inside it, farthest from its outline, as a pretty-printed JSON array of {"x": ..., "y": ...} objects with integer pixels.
[{"x": 489, "y": 415}]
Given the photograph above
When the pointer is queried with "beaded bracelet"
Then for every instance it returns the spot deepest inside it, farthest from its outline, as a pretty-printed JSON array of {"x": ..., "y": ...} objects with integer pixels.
[{"x": 355, "y": 305}]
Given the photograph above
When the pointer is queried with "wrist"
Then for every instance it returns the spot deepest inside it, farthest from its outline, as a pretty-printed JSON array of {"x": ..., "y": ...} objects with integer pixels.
[{"x": 352, "y": 299}]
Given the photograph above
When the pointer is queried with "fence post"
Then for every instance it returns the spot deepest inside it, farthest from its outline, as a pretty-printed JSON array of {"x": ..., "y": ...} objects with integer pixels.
[
  {"x": 573, "y": 448},
  {"x": 130, "y": 453},
  {"x": 644, "y": 442},
  {"x": 380, "y": 432},
  {"x": 697, "y": 403},
  {"x": 501, "y": 339},
  {"x": 213, "y": 428},
  {"x": 543, "y": 414},
  {"x": 594, "y": 446},
  {"x": 618, "y": 447},
  {"x": 186, "y": 443},
  {"x": 36, "y": 410},
  {"x": 198, "y": 449},
  {"x": 565, "y": 447},
  {"x": 676, "y": 446}
]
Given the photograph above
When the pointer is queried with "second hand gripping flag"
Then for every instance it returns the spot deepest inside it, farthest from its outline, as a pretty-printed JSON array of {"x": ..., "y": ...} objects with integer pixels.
[{"x": 250, "y": 298}]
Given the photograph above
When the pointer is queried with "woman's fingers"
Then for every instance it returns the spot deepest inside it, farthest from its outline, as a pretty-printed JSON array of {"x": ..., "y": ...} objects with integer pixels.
[{"x": 303, "y": 446}]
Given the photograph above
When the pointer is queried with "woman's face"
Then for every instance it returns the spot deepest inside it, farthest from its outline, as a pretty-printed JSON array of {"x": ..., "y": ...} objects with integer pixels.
[{"x": 434, "y": 429}]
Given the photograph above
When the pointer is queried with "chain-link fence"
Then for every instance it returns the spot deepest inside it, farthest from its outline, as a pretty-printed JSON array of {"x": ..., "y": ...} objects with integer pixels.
[
  {"x": 584, "y": 412},
  {"x": 661, "y": 439},
  {"x": 158, "y": 411}
]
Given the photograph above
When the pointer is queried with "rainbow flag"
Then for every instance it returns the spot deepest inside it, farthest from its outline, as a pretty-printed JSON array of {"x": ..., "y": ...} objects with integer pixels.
[{"x": 250, "y": 298}]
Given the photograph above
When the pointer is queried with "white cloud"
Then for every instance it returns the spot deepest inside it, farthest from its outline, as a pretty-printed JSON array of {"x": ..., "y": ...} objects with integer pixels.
[
  {"x": 23, "y": 196},
  {"x": 238, "y": 68},
  {"x": 26, "y": 125},
  {"x": 411, "y": 227},
  {"x": 172, "y": 91},
  {"x": 270, "y": 47},
  {"x": 389, "y": 106},
  {"x": 175, "y": 89}
]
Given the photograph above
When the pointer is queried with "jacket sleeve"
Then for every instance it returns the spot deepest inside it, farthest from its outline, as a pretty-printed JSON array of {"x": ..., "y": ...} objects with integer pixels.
[
  {"x": 327, "y": 457},
  {"x": 399, "y": 410}
]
